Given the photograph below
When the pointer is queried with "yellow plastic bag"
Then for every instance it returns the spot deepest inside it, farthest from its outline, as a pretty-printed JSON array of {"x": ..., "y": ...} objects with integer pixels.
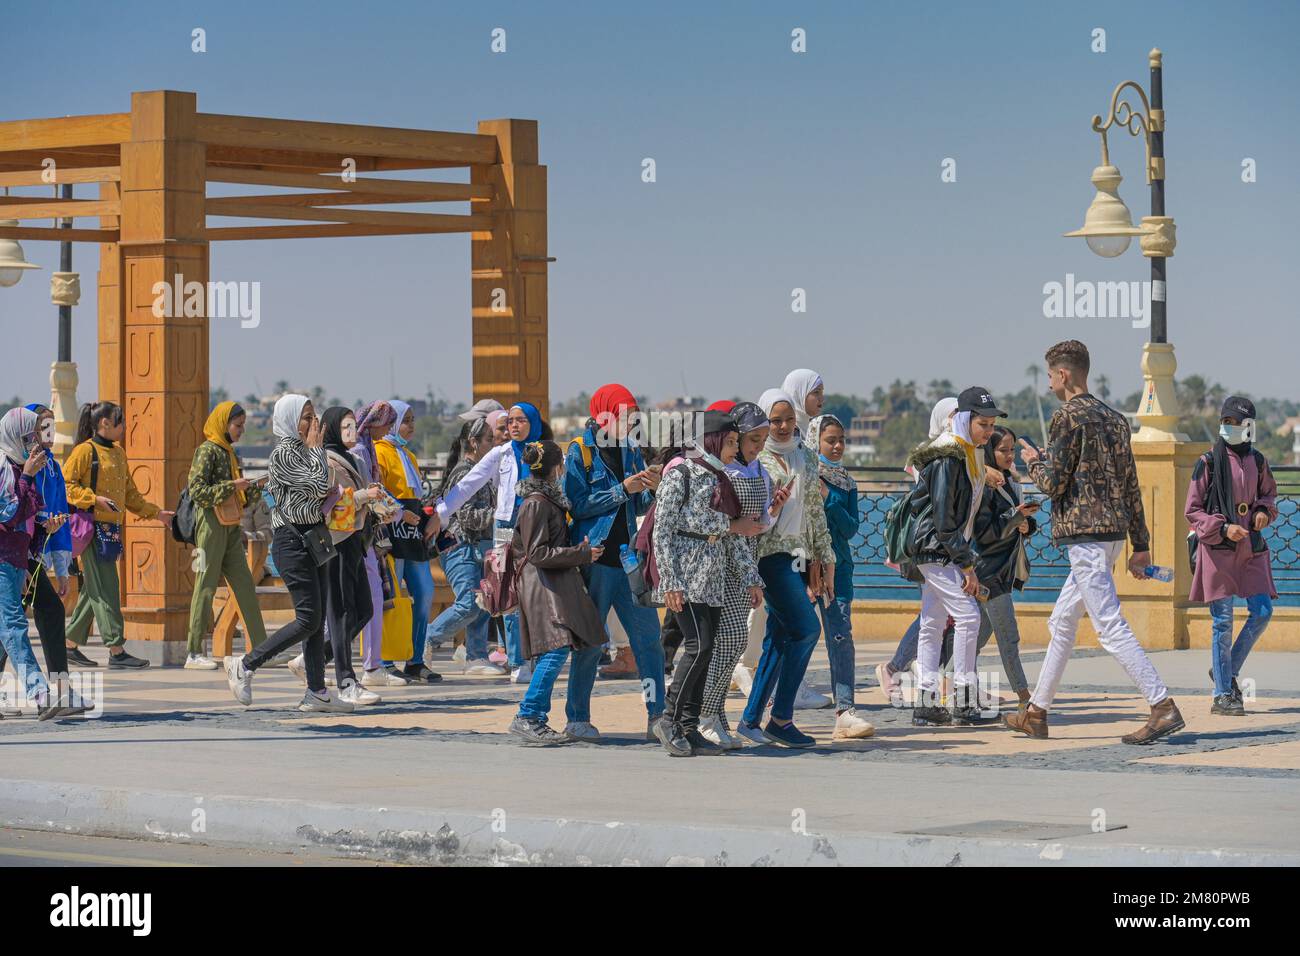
[
  {"x": 397, "y": 643},
  {"x": 343, "y": 516}
]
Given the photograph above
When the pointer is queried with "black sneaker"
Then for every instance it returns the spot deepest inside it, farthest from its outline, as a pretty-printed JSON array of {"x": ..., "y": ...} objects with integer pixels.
[
  {"x": 81, "y": 660},
  {"x": 931, "y": 717},
  {"x": 672, "y": 738},
  {"x": 1236, "y": 689},
  {"x": 537, "y": 733},
  {"x": 419, "y": 674},
  {"x": 701, "y": 746},
  {"x": 973, "y": 717},
  {"x": 399, "y": 673},
  {"x": 1228, "y": 706},
  {"x": 126, "y": 660}
]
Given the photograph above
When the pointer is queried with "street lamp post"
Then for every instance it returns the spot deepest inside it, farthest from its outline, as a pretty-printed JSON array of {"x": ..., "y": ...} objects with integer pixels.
[
  {"x": 65, "y": 291},
  {"x": 1108, "y": 228}
]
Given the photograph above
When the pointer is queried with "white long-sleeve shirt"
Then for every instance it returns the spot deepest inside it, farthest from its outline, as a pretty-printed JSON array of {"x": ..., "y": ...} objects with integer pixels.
[{"x": 499, "y": 466}]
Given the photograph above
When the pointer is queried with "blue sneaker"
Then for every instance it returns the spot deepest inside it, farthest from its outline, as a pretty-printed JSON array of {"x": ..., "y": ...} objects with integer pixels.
[{"x": 787, "y": 736}]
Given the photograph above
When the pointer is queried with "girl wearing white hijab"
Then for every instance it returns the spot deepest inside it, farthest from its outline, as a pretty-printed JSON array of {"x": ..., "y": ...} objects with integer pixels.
[
  {"x": 808, "y": 392},
  {"x": 298, "y": 485},
  {"x": 797, "y": 537},
  {"x": 950, "y": 488},
  {"x": 19, "y": 503}
]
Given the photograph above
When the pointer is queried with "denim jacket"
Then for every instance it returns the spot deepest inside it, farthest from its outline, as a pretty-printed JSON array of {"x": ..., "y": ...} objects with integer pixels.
[{"x": 594, "y": 500}]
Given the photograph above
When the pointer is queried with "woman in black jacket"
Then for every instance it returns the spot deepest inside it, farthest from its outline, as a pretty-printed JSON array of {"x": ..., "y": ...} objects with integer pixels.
[
  {"x": 945, "y": 503},
  {"x": 1002, "y": 527}
]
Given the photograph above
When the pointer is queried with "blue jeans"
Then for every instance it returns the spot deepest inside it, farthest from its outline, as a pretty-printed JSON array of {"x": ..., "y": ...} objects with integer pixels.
[
  {"x": 536, "y": 704},
  {"x": 792, "y": 632},
  {"x": 1227, "y": 657},
  {"x": 514, "y": 652},
  {"x": 419, "y": 585},
  {"x": 837, "y": 625},
  {"x": 13, "y": 631},
  {"x": 463, "y": 566},
  {"x": 608, "y": 588}
]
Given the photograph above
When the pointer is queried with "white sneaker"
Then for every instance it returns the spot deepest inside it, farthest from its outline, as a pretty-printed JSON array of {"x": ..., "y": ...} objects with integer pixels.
[
  {"x": 7, "y": 707},
  {"x": 714, "y": 731},
  {"x": 743, "y": 678},
  {"x": 522, "y": 675},
  {"x": 197, "y": 662},
  {"x": 809, "y": 699},
  {"x": 581, "y": 730},
  {"x": 382, "y": 677},
  {"x": 328, "y": 704},
  {"x": 849, "y": 726},
  {"x": 890, "y": 687},
  {"x": 240, "y": 679},
  {"x": 458, "y": 655},
  {"x": 356, "y": 695},
  {"x": 484, "y": 667},
  {"x": 298, "y": 668},
  {"x": 753, "y": 734}
]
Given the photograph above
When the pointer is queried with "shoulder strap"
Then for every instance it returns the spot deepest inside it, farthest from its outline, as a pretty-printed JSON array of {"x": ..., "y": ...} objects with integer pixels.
[
  {"x": 94, "y": 468},
  {"x": 584, "y": 448}
]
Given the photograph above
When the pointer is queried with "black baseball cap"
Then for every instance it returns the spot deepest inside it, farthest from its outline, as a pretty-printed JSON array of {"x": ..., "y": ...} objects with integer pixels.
[
  {"x": 978, "y": 401},
  {"x": 1234, "y": 406}
]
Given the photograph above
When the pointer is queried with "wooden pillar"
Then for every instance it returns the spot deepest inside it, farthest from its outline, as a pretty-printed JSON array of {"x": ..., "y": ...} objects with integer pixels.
[
  {"x": 155, "y": 365},
  {"x": 508, "y": 269}
]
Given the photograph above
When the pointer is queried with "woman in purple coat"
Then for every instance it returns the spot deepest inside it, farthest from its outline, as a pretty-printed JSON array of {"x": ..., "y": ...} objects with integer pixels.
[{"x": 1231, "y": 500}]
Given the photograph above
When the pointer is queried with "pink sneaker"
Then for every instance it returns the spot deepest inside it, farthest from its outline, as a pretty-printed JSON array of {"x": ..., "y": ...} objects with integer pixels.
[
  {"x": 497, "y": 657},
  {"x": 889, "y": 685}
]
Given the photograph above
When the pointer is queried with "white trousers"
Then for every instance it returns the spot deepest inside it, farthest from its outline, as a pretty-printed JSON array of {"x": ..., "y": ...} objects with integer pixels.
[
  {"x": 1091, "y": 587},
  {"x": 941, "y": 597}
]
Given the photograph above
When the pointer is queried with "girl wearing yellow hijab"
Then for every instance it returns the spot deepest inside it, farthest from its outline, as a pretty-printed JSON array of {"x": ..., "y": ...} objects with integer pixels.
[{"x": 220, "y": 491}]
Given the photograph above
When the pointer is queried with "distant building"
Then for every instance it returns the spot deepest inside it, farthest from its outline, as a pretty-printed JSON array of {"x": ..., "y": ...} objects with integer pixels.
[{"x": 865, "y": 429}]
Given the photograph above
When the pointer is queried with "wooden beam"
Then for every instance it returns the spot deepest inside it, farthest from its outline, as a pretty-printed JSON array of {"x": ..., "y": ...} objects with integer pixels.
[
  {"x": 345, "y": 139},
  {"x": 66, "y": 131},
  {"x": 25, "y": 159},
  {"x": 323, "y": 231},
  {"x": 315, "y": 200},
  {"x": 417, "y": 190},
  {"x": 89, "y": 174},
  {"x": 238, "y": 207},
  {"x": 59, "y": 235},
  {"x": 30, "y": 207}
]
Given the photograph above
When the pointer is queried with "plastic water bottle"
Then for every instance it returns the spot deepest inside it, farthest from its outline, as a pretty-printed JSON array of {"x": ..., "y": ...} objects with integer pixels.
[
  {"x": 628, "y": 558},
  {"x": 1158, "y": 573}
]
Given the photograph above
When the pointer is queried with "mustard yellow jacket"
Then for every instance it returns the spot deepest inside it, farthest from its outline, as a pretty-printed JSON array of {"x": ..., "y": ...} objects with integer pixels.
[{"x": 114, "y": 482}]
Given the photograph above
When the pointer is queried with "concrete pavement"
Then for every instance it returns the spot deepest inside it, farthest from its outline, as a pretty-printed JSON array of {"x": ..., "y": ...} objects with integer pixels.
[{"x": 431, "y": 776}]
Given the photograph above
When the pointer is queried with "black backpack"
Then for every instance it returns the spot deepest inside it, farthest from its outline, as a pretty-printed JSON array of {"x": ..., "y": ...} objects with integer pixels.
[{"x": 183, "y": 522}]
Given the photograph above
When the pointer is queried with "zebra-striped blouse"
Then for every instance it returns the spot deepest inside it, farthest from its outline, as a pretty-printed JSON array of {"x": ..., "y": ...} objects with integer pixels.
[{"x": 299, "y": 483}]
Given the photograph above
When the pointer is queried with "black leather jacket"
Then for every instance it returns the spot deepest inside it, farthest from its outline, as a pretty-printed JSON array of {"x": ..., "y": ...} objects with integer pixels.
[
  {"x": 940, "y": 506},
  {"x": 997, "y": 539}
]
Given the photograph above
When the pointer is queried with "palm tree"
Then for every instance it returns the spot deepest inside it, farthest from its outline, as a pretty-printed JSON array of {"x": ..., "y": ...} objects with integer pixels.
[
  {"x": 1103, "y": 387},
  {"x": 1034, "y": 371}
]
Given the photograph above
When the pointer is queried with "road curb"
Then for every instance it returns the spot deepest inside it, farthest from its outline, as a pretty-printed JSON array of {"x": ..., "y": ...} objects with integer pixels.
[{"x": 413, "y": 835}]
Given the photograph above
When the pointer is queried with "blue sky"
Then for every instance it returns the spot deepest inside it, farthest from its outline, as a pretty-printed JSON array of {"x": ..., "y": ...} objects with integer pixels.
[{"x": 775, "y": 170}]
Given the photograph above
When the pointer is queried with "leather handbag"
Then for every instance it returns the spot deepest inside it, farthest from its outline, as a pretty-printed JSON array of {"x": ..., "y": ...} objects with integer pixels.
[
  {"x": 230, "y": 511},
  {"x": 318, "y": 543}
]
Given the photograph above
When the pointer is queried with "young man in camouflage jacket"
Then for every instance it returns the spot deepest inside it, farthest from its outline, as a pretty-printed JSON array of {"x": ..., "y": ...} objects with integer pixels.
[{"x": 1089, "y": 474}]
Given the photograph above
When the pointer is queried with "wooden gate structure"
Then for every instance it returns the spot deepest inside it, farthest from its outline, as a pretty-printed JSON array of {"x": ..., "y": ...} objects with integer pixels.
[{"x": 153, "y": 165}]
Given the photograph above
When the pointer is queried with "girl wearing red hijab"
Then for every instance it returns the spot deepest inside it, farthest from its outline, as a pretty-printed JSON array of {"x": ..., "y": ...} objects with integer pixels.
[{"x": 608, "y": 486}]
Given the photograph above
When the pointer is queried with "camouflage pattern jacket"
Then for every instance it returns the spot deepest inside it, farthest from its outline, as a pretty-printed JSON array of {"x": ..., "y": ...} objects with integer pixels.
[{"x": 1089, "y": 474}]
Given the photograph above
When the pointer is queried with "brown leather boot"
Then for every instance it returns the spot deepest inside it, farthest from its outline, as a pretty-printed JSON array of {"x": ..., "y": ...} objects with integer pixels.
[
  {"x": 1164, "y": 720},
  {"x": 1032, "y": 722},
  {"x": 1024, "y": 696},
  {"x": 623, "y": 667}
]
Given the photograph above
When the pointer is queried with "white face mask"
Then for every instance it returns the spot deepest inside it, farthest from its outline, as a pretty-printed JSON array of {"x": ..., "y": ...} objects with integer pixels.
[
  {"x": 349, "y": 431},
  {"x": 1238, "y": 434}
]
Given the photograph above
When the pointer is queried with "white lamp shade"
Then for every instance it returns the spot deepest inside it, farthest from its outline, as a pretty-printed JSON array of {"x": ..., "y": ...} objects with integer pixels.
[
  {"x": 12, "y": 261},
  {"x": 1108, "y": 225}
]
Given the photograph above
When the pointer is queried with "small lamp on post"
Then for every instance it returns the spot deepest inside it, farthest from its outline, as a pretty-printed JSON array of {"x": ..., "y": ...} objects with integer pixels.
[
  {"x": 12, "y": 261},
  {"x": 1108, "y": 228}
]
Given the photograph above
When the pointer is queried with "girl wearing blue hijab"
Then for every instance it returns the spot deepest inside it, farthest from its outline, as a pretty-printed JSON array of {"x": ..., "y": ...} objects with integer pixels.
[{"x": 534, "y": 434}]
